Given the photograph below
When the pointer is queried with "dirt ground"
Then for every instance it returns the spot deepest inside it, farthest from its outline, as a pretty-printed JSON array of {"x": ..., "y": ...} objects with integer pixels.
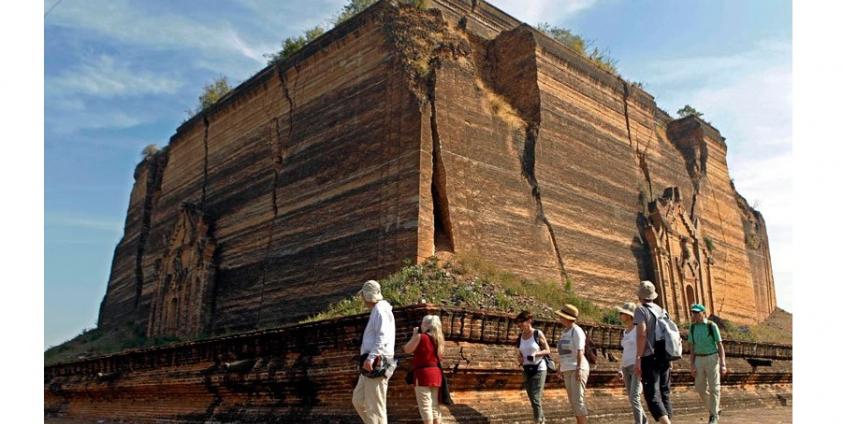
[{"x": 774, "y": 415}]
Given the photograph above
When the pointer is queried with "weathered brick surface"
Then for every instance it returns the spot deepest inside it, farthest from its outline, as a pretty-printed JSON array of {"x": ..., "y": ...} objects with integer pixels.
[
  {"x": 306, "y": 373},
  {"x": 405, "y": 132}
]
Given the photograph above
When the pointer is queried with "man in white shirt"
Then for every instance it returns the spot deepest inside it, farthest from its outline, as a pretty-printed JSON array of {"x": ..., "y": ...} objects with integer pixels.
[{"x": 377, "y": 355}]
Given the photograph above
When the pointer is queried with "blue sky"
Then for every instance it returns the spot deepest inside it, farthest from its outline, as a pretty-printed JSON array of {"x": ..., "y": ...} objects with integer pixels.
[{"x": 119, "y": 75}]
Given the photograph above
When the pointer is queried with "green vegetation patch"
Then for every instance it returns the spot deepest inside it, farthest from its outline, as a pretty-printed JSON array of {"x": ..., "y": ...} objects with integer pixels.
[
  {"x": 471, "y": 282},
  {"x": 96, "y": 342},
  {"x": 581, "y": 46}
]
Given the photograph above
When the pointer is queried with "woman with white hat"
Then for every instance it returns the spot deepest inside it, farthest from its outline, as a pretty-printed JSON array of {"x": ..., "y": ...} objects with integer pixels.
[
  {"x": 573, "y": 366},
  {"x": 627, "y": 368}
]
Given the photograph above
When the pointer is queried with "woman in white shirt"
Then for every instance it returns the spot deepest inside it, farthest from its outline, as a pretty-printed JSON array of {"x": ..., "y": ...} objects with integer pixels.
[
  {"x": 573, "y": 366},
  {"x": 627, "y": 369},
  {"x": 532, "y": 349}
]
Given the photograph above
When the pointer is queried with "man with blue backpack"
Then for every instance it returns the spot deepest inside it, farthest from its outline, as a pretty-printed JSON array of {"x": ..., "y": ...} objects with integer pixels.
[
  {"x": 708, "y": 360},
  {"x": 657, "y": 340}
]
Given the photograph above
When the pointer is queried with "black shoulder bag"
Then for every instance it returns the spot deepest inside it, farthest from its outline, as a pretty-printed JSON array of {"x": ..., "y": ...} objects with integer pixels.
[{"x": 444, "y": 393}]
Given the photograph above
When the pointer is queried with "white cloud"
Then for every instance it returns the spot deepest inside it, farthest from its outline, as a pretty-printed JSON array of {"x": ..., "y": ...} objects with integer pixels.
[
  {"x": 535, "y": 11},
  {"x": 101, "y": 76},
  {"x": 123, "y": 21},
  {"x": 65, "y": 122},
  {"x": 84, "y": 222}
]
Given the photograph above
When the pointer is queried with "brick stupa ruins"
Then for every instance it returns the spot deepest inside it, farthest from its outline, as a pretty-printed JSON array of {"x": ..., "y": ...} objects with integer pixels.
[{"x": 402, "y": 133}]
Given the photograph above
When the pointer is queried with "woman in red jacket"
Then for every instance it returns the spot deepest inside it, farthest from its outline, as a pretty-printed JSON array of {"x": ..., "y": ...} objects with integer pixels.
[{"x": 427, "y": 347}]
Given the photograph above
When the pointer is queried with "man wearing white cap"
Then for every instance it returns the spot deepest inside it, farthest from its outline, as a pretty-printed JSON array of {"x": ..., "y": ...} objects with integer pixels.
[{"x": 377, "y": 356}]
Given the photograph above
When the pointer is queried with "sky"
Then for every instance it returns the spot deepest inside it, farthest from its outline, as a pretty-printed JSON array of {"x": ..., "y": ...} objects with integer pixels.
[{"x": 119, "y": 75}]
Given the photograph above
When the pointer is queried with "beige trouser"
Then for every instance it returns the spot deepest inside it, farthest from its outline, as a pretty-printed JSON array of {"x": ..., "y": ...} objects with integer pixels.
[
  {"x": 707, "y": 381},
  {"x": 369, "y": 399},
  {"x": 428, "y": 400},
  {"x": 576, "y": 391}
]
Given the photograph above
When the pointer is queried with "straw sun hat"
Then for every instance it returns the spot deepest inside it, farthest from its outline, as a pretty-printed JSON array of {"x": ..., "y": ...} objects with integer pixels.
[{"x": 568, "y": 311}]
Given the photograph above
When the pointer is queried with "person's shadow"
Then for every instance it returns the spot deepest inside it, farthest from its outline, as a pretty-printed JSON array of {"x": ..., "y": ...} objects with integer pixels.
[{"x": 465, "y": 414}]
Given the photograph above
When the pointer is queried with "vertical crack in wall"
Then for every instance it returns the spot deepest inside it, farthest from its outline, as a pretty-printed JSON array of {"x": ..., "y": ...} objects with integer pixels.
[
  {"x": 626, "y": 114},
  {"x": 641, "y": 252},
  {"x": 276, "y": 148},
  {"x": 205, "y": 162},
  {"x": 443, "y": 237},
  {"x": 154, "y": 174},
  {"x": 640, "y": 156},
  {"x": 528, "y": 170},
  {"x": 519, "y": 86}
]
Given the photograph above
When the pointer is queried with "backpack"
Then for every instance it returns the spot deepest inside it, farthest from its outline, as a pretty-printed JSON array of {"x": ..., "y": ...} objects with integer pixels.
[
  {"x": 590, "y": 351},
  {"x": 668, "y": 340},
  {"x": 710, "y": 326},
  {"x": 551, "y": 364}
]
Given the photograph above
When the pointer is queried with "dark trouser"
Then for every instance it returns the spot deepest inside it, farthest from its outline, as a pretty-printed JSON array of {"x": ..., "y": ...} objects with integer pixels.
[
  {"x": 535, "y": 390},
  {"x": 655, "y": 377}
]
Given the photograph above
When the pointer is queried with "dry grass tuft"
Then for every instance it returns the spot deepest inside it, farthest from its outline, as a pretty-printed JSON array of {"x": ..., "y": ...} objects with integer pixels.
[{"x": 499, "y": 106}]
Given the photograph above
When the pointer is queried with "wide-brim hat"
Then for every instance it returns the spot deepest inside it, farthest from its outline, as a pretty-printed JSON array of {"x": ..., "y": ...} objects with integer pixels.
[
  {"x": 628, "y": 308},
  {"x": 697, "y": 308},
  {"x": 371, "y": 291},
  {"x": 568, "y": 311},
  {"x": 647, "y": 291}
]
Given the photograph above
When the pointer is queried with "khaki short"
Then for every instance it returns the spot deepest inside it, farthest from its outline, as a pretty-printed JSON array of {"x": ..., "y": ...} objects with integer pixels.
[
  {"x": 576, "y": 391},
  {"x": 428, "y": 400}
]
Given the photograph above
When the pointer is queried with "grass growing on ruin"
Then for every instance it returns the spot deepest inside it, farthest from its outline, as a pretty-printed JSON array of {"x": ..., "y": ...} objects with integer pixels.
[
  {"x": 472, "y": 282},
  {"x": 95, "y": 342},
  {"x": 499, "y": 106}
]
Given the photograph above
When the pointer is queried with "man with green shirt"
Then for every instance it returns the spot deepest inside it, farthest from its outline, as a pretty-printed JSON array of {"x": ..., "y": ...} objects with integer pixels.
[{"x": 708, "y": 360}]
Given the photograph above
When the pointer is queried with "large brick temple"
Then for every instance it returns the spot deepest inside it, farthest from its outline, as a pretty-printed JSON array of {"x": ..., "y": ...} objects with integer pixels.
[
  {"x": 405, "y": 132},
  {"x": 401, "y": 133}
]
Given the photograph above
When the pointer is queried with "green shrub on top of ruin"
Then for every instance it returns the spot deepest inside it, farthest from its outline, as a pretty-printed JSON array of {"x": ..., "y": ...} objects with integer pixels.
[
  {"x": 575, "y": 42},
  {"x": 688, "y": 110},
  {"x": 149, "y": 151},
  {"x": 291, "y": 45},
  {"x": 565, "y": 36},
  {"x": 211, "y": 93},
  {"x": 352, "y": 8}
]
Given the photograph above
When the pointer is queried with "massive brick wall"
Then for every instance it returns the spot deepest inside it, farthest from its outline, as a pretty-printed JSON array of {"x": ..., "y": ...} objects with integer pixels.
[
  {"x": 310, "y": 165},
  {"x": 306, "y": 373},
  {"x": 406, "y": 132}
]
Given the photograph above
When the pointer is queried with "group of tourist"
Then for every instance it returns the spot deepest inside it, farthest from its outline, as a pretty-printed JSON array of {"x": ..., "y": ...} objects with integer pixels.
[{"x": 644, "y": 367}]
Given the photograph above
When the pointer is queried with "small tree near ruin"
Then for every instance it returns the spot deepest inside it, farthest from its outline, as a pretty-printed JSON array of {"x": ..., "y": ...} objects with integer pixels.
[
  {"x": 599, "y": 57},
  {"x": 211, "y": 94},
  {"x": 688, "y": 110},
  {"x": 149, "y": 151}
]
